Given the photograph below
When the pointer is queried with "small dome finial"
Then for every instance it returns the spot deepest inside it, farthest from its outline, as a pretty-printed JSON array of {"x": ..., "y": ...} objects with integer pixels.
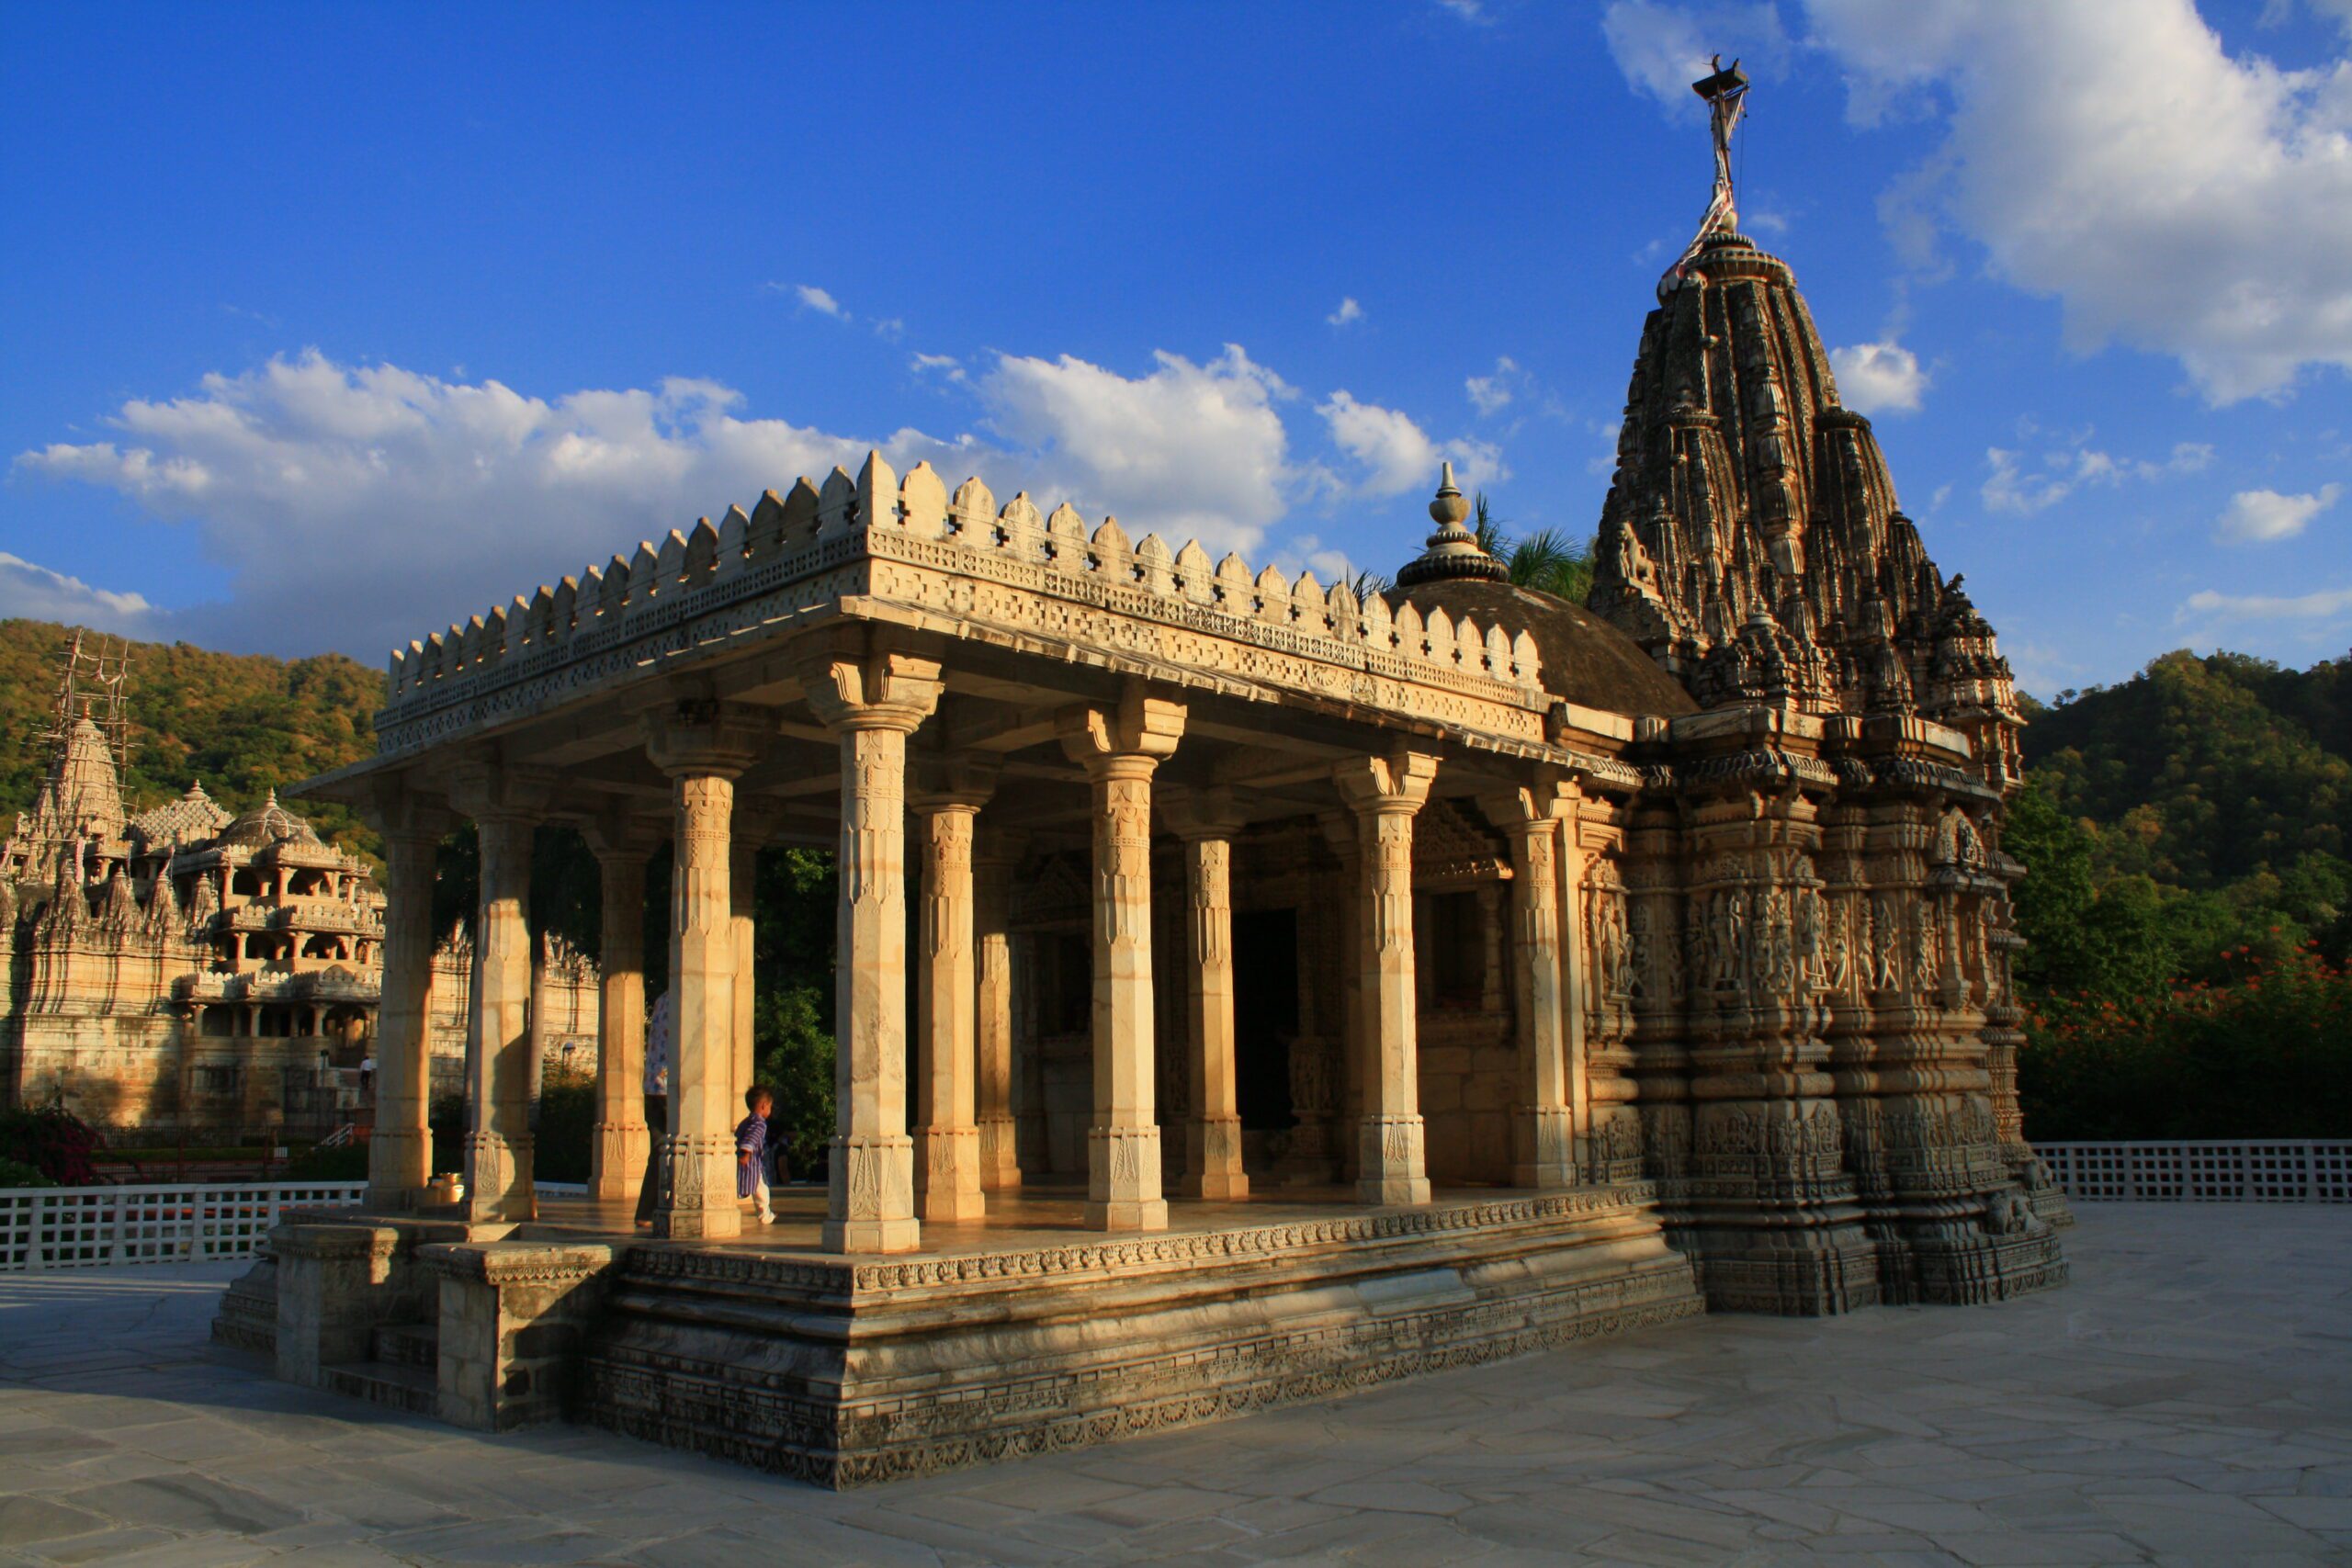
[{"x": 1453, "y": 550}]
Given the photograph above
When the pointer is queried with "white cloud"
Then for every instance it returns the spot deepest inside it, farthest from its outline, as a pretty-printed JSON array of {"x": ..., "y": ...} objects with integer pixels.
[
  {"x": 2116, "y": 157},
  {"x": 2262, "y": 607},
  {"x": 1187, "y": 450},
  {"x": 891, "y": 329},
  {"x": 35, "y": 592},
  {"x": 1879, "y": 377},
  {"x": 1397, "y": 455},
  {"x": 2023, "y": 485},
  {"x": 1471, "y": 11},
  {"x": 357, "y": 506},
  {"x": 1348, "y": 313},
  {"x": 1492, "y": 393},
  {"x": 2261, "y": 516},
  {"x": 819, "y": 301},
  {"x": 1663, "y": 49}
]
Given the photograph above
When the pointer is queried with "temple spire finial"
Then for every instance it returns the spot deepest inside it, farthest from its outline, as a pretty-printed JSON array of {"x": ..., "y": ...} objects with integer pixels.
[
  {"x": 1453, "y": 550},
  {"x": 1725, "y": 89}
]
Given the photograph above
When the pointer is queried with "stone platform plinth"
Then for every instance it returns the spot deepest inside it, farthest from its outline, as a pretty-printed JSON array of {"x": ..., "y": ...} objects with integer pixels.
[{"x": 844, "y": 1371}]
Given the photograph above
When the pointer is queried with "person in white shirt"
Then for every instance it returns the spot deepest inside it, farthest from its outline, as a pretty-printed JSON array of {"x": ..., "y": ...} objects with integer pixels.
[{"x": 658, "y": 1031}]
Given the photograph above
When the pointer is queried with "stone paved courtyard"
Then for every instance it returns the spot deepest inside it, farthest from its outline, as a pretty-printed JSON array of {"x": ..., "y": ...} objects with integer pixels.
[{"x": 2187, "y": 1400}]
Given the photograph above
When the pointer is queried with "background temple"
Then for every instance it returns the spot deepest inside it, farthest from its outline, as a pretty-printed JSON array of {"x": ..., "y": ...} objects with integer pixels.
[{"x": 179, "y": 973}]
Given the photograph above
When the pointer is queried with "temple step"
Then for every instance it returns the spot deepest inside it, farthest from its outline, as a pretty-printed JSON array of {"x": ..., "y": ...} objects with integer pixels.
[
  {"x": 406, "y": 1344},
  {"x": 414, "y": 1390}
]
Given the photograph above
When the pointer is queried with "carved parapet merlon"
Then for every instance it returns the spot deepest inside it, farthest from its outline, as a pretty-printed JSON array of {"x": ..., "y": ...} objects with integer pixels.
[{"x": 815, "y": 529}]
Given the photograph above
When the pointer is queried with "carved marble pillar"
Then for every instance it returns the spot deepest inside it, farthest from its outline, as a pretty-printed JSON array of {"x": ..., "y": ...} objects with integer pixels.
[
  {"x": 947, "y": 1142},
  {"x": 622, "y": 1137},
  {"x": 1544, "y": 1149},
  {"x": 1384, "y": 793},
  {"x": 498, "y": 1140},
  {"x": 1213, "y": 1137},
  {"x": 1576, "y": 972},
  {"x": 872, "y": 699},
  {"x": 994, "y": 855},
  {"x": 1121, "y": 746},
  {"x": 703, "y": 747},
  {"x": 400, "y": 1150}
]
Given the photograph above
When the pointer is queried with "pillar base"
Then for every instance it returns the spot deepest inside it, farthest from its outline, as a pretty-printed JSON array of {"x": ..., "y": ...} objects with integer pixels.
[
  {"x": 1128, "y": 1215},
  {"x": 701, "y": 1202},
  {"x": 1549, "y": 1135},
  {"x": 498, "y": 1179},
  {"x": 621, "y": 1151},
  {"x": 400, "y": 1163},
  {"x": 949, "y": 1169},
  {"x": 1392, "y": 1192},
  {"x": 1390, "y": 1166},
  {"x": 1000, "y": 1162},
  {"x": 1214, "y": 1160},
  {"x": 870, "y": 1235}
]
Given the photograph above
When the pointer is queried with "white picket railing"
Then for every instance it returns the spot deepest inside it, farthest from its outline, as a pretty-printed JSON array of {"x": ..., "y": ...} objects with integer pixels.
[
  {"x": 2240, "y": 1170},
  {"x": 88, "y": 1227}
]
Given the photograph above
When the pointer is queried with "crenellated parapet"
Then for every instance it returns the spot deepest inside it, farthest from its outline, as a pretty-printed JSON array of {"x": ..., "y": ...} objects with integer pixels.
[{"x": 905, "y": 548}]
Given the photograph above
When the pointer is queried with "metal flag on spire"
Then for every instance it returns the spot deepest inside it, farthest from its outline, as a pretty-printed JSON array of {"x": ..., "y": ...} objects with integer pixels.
[{"x": 1726, "y": 90}]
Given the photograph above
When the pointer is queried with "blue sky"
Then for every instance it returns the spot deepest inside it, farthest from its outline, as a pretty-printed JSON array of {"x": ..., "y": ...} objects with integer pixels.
[{"x": 327, "y": 325}]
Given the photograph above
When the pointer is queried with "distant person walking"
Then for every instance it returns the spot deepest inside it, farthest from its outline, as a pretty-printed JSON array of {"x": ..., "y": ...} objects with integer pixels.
[
  {"x": 658, "y": 1031},
  {"x": 751, "y": 1152}
]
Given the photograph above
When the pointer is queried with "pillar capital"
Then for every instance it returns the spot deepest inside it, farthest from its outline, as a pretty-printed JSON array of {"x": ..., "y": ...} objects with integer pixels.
[
  {"x": 699, "y": 737},
  {"x": 617, "y": 836},
  {"x": 1125, "y": 738},
  {"x": 951, "y": 784},
  {"x": 852, "y": 687},
  {"x": 1521, "y": 813},
  {"x": 487, "y": 789},
  {"x": 397, "y": 810},
  {"x": 1381, "y": 784},
  {"x": 1200, "y": 813}
]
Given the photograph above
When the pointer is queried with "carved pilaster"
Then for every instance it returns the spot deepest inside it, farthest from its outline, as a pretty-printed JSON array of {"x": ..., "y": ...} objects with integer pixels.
[
  {"x": 622, "y": 1136},
  {"x": 1544, "y": 1140},
  {"x": 400, "y": 1149},
  {"x": 703, "y": 747},
  {"x": 1213, "y": 1135},
  {"x": 1385, "y": 793},
  {"x": 1120, "y": 746},
  {"x": 947, "y": 1140},
  {"x": 995, "y": 854},
  {"x": 872, "y": 699}
]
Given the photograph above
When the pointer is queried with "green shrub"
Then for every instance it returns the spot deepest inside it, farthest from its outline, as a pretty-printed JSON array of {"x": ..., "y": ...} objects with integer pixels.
[
  {"x": 2263, "y": 1052},
  {"x": 344, "y": 1162},
  {"x": 17, "y": 1173},
  {"x": 796, "y": 1062},
  {"x": 564, "y": 1136}
]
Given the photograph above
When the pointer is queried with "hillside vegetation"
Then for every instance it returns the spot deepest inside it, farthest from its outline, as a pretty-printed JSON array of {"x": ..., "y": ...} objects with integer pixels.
[
  {"x": 2190, "y": 904},
  {"x": 239, "y": 724}
]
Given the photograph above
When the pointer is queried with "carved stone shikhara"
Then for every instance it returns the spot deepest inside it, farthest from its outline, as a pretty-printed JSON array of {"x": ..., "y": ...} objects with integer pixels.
[{"x": 1683, "y": 924}]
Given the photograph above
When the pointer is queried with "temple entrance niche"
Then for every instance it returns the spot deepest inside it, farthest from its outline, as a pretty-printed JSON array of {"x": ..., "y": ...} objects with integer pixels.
[{"x": 1266, "y": 1025}]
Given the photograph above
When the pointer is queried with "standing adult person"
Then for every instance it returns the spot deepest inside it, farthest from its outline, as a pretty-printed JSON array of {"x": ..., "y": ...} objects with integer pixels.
[{"x": 659, "y": 1030}]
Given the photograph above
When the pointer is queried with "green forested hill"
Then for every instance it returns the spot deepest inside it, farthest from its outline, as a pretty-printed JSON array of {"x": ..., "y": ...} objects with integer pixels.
[
  {"x": 2201, "y": 772},
  {"x": 239, "y": 724},
  {"x": 2188, "y": 904}
]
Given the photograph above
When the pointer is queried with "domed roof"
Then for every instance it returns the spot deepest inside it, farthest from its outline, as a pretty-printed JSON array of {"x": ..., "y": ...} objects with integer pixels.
[
  {"x": 1584, "y": 659},
  {"x": 268, "y": 824}
]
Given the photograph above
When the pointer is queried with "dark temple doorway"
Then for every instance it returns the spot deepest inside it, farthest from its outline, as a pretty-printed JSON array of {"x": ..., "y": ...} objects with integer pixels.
[{"x": 1265, "y": 1014}]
